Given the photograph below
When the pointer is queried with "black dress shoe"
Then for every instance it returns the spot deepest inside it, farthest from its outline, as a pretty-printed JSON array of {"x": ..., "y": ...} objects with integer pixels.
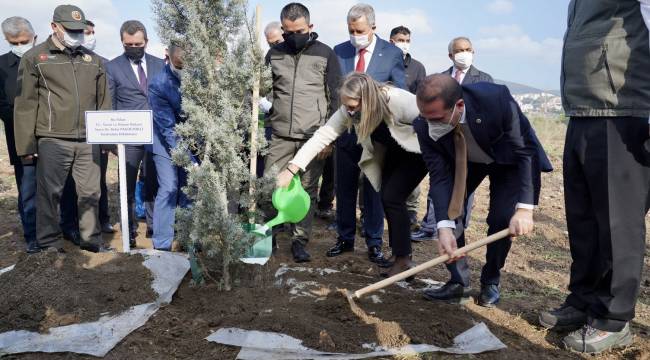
[
  {"x": 107, "y": 228},
  {"x": 489, "y": 296},
  {"x": 33, "y": 248},
  {"x": 340, "y": 248},
  {"x": 299, "y": 253},
  {"x": 450, "y": 292},
  {"x": 375, "y": 255},
  {"x": 88, "y": 246},
  {"x": 73, "y": 236}
]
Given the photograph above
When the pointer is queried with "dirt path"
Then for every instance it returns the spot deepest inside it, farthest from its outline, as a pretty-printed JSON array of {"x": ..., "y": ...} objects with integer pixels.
[{"x": 535, "y": 277}]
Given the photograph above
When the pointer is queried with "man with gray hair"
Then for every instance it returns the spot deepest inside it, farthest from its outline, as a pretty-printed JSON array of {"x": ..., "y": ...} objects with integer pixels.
[
  {"x": 364, "y": 52},
  {"x": 273, "y": 33},
  {"x": 21, "y": 37}
]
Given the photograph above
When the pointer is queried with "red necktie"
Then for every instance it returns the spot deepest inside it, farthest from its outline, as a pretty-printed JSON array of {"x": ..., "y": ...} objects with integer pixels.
[
  {"x": 458, "y": 74},
  {"x": 361, "y": 63}
]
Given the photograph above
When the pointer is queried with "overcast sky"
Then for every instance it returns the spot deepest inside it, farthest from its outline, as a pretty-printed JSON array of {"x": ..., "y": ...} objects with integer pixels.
[{"x": 519, "y": 41}]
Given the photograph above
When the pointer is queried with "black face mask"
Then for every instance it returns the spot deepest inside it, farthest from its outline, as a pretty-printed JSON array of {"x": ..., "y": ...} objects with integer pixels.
[
  {"x": 295, "y": 41},
  {"x": 134, "y": 53}
]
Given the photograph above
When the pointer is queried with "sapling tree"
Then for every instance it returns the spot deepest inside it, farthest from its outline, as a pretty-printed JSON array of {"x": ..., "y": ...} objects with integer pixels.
[{"x": 222, "y": 58}]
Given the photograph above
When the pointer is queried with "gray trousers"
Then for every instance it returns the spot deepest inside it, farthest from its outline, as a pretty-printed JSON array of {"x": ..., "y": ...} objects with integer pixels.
[
  {"x": 57, "y": 159},
  {"x": 413, "y": 201},
  {"x": 281, "y": 150}
]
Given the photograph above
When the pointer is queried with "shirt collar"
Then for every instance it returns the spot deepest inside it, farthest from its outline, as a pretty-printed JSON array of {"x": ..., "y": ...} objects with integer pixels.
[
  {"x": 463, "y": 116},
  {"x": 142, "y": 60}
]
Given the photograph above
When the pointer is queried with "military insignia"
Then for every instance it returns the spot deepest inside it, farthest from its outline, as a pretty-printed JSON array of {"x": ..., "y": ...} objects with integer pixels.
[
  {"x": 87, "y": 58},
  {"x": 42, "y": 57},
  {"x": 76, "y": 15}
]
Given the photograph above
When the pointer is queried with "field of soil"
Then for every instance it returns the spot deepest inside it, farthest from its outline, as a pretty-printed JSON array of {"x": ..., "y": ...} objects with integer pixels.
[{"x": 302, "y": 300}]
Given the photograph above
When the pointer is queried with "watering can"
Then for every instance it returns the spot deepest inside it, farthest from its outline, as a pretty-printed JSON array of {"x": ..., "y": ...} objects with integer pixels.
[{"x": 292, "y": 204}]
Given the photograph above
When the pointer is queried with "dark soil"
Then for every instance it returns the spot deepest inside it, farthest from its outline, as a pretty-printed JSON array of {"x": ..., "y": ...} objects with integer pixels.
[{"x": 51, "y": 289}]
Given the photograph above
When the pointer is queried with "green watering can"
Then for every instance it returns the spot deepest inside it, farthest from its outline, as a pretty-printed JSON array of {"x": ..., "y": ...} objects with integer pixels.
[{"x": 292, "y": 204}]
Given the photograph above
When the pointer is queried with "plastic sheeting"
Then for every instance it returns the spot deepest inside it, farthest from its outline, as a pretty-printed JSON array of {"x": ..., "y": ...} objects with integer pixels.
[
  {"x": 257, "y": 345},
  {"x": 99, "y": 337}
]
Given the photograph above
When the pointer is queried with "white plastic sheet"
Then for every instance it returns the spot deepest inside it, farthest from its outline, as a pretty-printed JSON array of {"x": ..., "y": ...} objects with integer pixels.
[
  {"x": 99, "y": 337},
  {"x": 258, "y": 345}
]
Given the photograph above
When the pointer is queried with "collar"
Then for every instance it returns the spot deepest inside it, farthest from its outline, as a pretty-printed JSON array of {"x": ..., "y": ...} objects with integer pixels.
[
  {"x": 143, "y": 60},
  {"x": 54, "y": 44},
  {"x": 463, "y": 115}
]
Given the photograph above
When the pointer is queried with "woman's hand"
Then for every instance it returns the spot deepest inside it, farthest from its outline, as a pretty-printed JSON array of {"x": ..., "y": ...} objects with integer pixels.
[{"x": 285, "y": 176}]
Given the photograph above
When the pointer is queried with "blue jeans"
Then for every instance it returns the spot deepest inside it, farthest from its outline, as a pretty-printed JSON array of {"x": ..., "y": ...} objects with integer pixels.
[
  {"x": 348, "y": 154},
  {"x": 171, "y": 179},
  {"x": 26, "y": 182}
]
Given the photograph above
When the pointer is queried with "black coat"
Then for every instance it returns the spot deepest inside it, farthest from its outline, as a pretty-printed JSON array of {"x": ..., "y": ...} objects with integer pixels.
[
  {"x": 500, "y": 129},
  {"x": 8, "y": 78}
]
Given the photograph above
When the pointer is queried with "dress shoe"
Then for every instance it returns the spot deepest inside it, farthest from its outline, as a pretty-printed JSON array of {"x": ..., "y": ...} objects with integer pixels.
[
  {"x": 107, "y": 228},
  {"x": 73, "y": 236},
  {"x": 449, "y": 292},
  {"x": 33, "y": 248},
  {"x": 401, "y": 264},
  {"x": 340, "y": 248},
  {"x": 299, "y": 253},
  {"x": 375, "y": 255},
  {"x": 566, "y": 317},
  {"x": 421, "y": 235},
  {"x": 88, "y": 246},
  {"x": 489, "y": 295},
  {"x": 326, "y": 214}
]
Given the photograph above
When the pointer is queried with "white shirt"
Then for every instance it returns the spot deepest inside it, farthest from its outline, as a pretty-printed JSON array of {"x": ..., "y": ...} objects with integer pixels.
[
  {"x": 368, "y": 55},
  {"x": 134, "y": 66},
  {"x": 452, "y": 223},
  {"x": 462, "y": 73}
]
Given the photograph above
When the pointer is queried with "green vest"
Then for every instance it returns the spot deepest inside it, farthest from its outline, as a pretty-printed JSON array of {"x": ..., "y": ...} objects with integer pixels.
[{"x": 606, "y": 60}]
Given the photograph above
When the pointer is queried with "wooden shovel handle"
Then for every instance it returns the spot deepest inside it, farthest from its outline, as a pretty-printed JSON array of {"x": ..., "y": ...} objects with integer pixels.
[{"x": 433, "y": 262}]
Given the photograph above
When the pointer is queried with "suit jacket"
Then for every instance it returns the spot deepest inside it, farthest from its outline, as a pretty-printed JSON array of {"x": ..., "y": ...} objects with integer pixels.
[
  {"x": 124, "y": 85},
  {"x": 415, "y": 73},
  {"x": 8, "y": 80},
  {"x": 386, "y": 65},
  {"x": 165, "y": 100},
  {"x": 473, "y": 76},
  {"x": 500, "y": 129}
]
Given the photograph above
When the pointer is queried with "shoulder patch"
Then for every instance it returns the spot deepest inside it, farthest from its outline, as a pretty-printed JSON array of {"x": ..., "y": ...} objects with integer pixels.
[{"x": 42, "y": 57}]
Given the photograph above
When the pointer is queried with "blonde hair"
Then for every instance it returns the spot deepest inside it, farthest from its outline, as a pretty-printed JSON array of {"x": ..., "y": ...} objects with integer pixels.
[{"x": 373, "y": 101}]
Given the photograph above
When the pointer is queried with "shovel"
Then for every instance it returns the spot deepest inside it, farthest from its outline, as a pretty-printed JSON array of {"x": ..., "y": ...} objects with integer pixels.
[
  {"x": 431, "y": 263},
  {"x": 292, "y": 204}
]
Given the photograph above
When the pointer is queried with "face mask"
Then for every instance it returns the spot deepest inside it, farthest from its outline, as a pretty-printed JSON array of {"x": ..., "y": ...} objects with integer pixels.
[
  {"x": 360, "y": 42},
  {"x": 72, "y": 40},
  {"x": 20, "y": 50},
  {"x": 463, "y": 60},
  {"x": 296, "y": 41},
  {"x": 175, "y": 70},
  {"x": 404, "y": 46},
  {"x": 134, "y": 53},
  {"x": 438, "y": 129},
  {"x": 89, "y": 42}
]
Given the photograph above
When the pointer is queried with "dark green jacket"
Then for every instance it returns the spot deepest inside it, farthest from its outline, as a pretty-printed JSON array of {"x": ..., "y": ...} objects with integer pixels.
[
  {"x": 606, "y": 60},
  {"x": 55, "y": 88}
]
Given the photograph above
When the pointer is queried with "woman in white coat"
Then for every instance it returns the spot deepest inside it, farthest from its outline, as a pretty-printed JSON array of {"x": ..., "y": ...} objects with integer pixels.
[{"x": 382, "y": 117}]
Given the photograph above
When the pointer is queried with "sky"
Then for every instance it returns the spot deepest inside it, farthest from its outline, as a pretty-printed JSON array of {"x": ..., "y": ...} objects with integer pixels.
[{"x": 514, "y": 40}]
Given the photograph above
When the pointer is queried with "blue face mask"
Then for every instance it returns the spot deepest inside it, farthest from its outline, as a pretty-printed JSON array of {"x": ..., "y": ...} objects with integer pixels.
[{"x": 438, "y": 129}]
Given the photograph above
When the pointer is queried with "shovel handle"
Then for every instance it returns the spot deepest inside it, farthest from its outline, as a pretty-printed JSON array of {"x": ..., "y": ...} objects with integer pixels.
[{"x": 433, "y": 262}]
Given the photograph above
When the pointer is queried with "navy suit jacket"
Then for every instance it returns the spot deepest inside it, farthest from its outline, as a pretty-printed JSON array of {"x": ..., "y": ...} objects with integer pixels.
[
  {"x": 8, "y": 83},
  {"x": 500, "y": 129},
  {"x": 386, "y": 65},
  {"x": 123, "y": 83}
]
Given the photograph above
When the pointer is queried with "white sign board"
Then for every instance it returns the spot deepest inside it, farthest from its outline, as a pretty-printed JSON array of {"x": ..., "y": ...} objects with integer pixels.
[{"x": 119, "y": 127}]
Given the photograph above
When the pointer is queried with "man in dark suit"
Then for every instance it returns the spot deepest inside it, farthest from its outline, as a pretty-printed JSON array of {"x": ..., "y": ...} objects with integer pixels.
[
  {"x": 21, "y": 37},
  {"x": 466, "y": 134},
  {"x": 128, "y": 74},
  {"x": 461, "y": 53},
  {"x": 365, "y": 52}
]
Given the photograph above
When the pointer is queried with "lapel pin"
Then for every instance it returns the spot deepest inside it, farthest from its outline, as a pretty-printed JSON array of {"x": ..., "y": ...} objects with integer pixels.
[{"x": 478, "y": 121}]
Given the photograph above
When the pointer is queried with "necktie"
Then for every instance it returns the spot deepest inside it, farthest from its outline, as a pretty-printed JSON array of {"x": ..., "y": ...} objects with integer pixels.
[
  {"x": 142, "y": 77},
  {"x": 361, "y": 63},
  {"x": 460, "y": 176},
  {"x": 458, "y": 74}
]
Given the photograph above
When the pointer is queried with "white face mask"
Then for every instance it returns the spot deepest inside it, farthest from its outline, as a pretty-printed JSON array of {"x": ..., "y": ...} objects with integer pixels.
[
  {"x": 20, "y": 50},
  {"x": 438, "y": 129},
  {"x": 72, "y": 40},
  {"x": 178, "y": 72},
  {"x": 90, "y": 42},
  {"x": 404, "y": 46},
  {"x": 463, "y": 60},
  {"x": 360, "y": 42}
]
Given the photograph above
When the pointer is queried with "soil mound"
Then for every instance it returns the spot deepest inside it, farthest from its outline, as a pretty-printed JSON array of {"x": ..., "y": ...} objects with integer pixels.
[{"x": 51, "y": 289}]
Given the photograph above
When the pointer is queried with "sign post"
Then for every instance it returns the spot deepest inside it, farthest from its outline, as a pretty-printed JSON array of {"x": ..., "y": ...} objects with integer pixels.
[{"x": 134, "y": 127}]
